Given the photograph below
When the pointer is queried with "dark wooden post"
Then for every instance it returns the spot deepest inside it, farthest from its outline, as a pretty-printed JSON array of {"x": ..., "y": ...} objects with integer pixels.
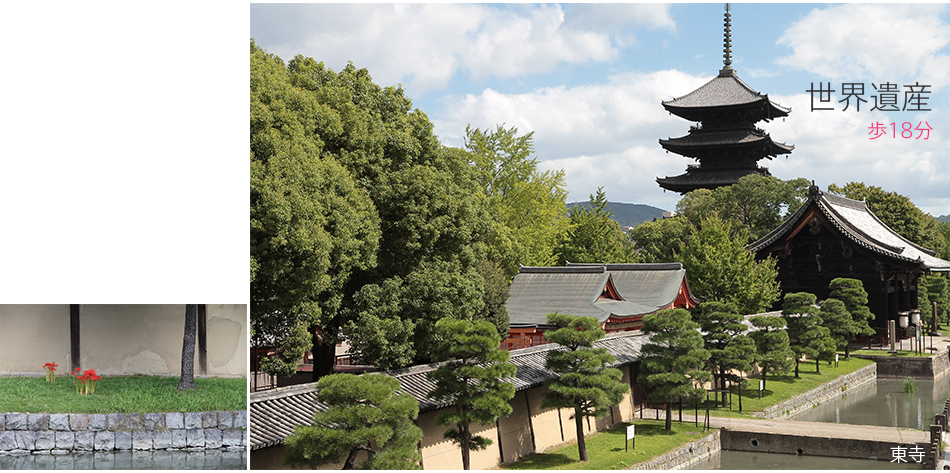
[
  {"x": 73, "y": 336},
  {"x": 203, "y": 338}
]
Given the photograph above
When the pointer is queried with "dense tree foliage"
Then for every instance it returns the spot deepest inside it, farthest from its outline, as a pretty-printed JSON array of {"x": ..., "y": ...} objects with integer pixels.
[
  {"x": 528, "y": 204},
  {"x": 585, "y": 382},
  {"x": 753, "y": 206},
  {"x": 806, "y": 334},
  {"x": 673, "y": 362},
  {"x": 364, "y": 414},
  {"x": 594, "y": 237},
  {"x": 721, "y": 269},
  {"x": 934, "y": 289},
  {"x": 731, "y": 350},
  {"x": 471, "y": 379},
  {"x": 835, "y": 317},
  {"x": 897, "y": 212},
  {"x": 851, "y": 292},
  {"x": 660, "y": 241},
  {"x": 771, "y": 345}
]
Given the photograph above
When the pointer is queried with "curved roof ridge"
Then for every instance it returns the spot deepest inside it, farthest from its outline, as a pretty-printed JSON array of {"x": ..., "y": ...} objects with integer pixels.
[{"x": 573, "y": 268}]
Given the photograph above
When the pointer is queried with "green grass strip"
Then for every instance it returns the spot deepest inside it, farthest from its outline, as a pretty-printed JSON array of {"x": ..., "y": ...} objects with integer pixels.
[
  {"x": 925, "y": 354},
  {"x": 123, "y": 394},
  {"x": 606, "y": 449}
]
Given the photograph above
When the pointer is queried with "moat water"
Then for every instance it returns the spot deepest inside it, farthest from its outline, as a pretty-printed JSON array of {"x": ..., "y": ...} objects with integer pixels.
[{"x": 130, "y": 460}]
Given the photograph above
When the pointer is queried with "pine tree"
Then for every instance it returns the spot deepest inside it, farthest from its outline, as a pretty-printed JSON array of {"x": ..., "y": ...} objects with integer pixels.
[
  {"x": 472, "y": 379},
  {"x": 724, "y": 336},
  {"x": 855, "y": 298},
  {"x": 836, "y": 318},
  {"x": 585, "y": 381},
  {"x": 807, "y": 336},
  {"x": 365, "y": 413},
  {"x": 673, "y": 362},
  {"x": 771, "y": 345}
]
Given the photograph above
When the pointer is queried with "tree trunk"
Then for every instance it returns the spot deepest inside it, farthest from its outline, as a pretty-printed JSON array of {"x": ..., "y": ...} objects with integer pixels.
[
  {"x": 817, "y": 368},
  {"x": 466, "y": 443},
  {"x": 763, "y": 379},
  {"x": 581, "y": 441},
  {"x": 350, "y": 459},
  {"x": 187, "y": 381},
  {"x": 324, "y": 356},
  {"x": 847, "y": 351},
  {"x": 669, "y": 417},
  {"x": 797, "y": 359}
]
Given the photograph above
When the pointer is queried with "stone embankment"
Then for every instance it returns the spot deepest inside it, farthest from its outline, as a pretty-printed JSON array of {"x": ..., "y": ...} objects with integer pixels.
[
  {"x": 24, "y": 433},
  {"x": 826, "y": 392},
  {"x": 685, "y": 456}
]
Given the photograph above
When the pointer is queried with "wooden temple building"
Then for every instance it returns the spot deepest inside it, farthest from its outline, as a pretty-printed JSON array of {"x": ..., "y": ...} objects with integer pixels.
[
  {"x": 831, "y": 237},
  {"x": 618, "y": 295},
  {"x": 725, "y": 142}
]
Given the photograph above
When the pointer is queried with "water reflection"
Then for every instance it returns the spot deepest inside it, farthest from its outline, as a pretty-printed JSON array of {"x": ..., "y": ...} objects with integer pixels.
[
  {"x": 774, "y": 461},
  {"x": 130, "y": 460},
  {"x": 885, "y": 403}
]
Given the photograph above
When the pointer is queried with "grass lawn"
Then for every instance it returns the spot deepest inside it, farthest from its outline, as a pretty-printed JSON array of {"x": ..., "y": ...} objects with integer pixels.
[
  {"x": 925, "y": 354},
  {"x": 606, "y": 450},
  {"x": 779, "y": 388},
  {"x": 125, "y": 394}
]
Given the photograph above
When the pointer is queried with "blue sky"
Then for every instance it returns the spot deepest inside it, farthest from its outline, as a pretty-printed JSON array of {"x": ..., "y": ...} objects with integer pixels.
[{"x": 588, "y": 79}]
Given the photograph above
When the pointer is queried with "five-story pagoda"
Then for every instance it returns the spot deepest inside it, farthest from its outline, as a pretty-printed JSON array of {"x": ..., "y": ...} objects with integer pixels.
[{"x": 726, "y": 141}]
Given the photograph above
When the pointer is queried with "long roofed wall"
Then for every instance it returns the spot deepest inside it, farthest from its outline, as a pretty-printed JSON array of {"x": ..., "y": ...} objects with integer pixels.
[
  {"x": 831, "y": 237},
  {"x": 726, "y": 142}
]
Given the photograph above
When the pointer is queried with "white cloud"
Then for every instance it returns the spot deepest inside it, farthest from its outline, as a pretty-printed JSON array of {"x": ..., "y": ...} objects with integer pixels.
[
  {"x": 425, "y": 46},
  {"x": 857, "y": 41}
]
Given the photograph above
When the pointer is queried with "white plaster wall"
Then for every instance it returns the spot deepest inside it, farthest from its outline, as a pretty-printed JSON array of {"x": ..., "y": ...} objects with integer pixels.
[{"x": 33, "y": 335}]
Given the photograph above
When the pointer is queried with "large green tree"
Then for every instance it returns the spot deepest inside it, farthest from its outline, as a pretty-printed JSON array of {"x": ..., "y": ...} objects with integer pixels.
[
  {"x": 935, "y": 288},
  {"x": 673, "y": 362},
  {"x": 807, "y": 336},
  {"x": 311, "y": 225},
  {"x": 721, "y": 269},
  {"x": 835, "y": 317},
  {"x": 364, "y": 414},
  {"x": 731, "y": 350},
  {"x": 472, "y": 379},
  {"x": 851, "y": 292},
  {"x": 660, "y": 241},
  {"x": 585, "y": 382},
  {"x": 594, "y": 237},
  {"x": 753, "y": 206},
  {"x": 528, "y": 204},
  {"x": 898, "y": 213},
  {"x": 771, "y": 345}
]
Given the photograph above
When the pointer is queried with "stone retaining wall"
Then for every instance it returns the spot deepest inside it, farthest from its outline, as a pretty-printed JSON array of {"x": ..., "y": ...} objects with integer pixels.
[
  {"x": 917, "y": 367},
  {"x": 24, "y": 433},
  {"x": 687, "y": 455},
  {"x": 823, "y": 393}
]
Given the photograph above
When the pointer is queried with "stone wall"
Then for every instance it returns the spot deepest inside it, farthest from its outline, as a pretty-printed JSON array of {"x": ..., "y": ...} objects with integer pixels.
[
  {"x": 823, "y": 393},
  {"x": 687, "y": 455},
  {"x": 23, "y": 433},
  {"x": 930, "y": 367}
]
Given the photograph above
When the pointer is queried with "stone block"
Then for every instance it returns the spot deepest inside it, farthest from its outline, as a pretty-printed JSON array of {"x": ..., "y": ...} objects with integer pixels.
[
  {"x": 240, "y": 420},
  {"x": 116, "y": 421},
  {"x": 16, "y": 421},
  {"x": 65, "y": 440},
  {"x": 7, "y": 441},
  {"x": 225, "y": 420},
  {"x": 154, "y": 421},
  {"x": 231, "y": 437},
  {"x": 98, "y": 422},
  {"x": 38, "y": 422},
  {"x": 59, "y": 452},
  {"x": 45, "y": 440},
  {"x": 78, "y": 422},
  {"x": 59, "y": 422},
  {"x": 141, "y": 440},
  {"x": 134, "y": 422},
  {"x": 123, "y": 440},
  {"x": 161, "y": 439},
  {"x": 195, "y": 438},
  {"x": 209, "y": 420},
  {"x": 104, "y": 441},
  {"x": 174, "y": 420},
  {"x": 244, "y": 444},
  {"x": 212, "y": 438},
  {"x": 192, "y": 420},
  {"x": 179, "y": 440},
  {"x": 2, "y": 421},
  {"x": 84, "y": 441},
  {"x": 25, "y": 440}
]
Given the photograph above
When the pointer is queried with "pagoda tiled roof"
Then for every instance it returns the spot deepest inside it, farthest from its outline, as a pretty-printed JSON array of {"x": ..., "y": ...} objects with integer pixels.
[
  {"x": 855, "y": 220},
  {"x": 701, "y": 140},
  {"x": 274, "y": 414},
  {"x": 696, "y": 178},
  {"x": 724, "y": 90}
]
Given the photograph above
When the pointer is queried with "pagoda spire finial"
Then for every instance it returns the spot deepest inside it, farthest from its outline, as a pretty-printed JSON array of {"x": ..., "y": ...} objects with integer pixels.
[{"x": 727, "y": 44}]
